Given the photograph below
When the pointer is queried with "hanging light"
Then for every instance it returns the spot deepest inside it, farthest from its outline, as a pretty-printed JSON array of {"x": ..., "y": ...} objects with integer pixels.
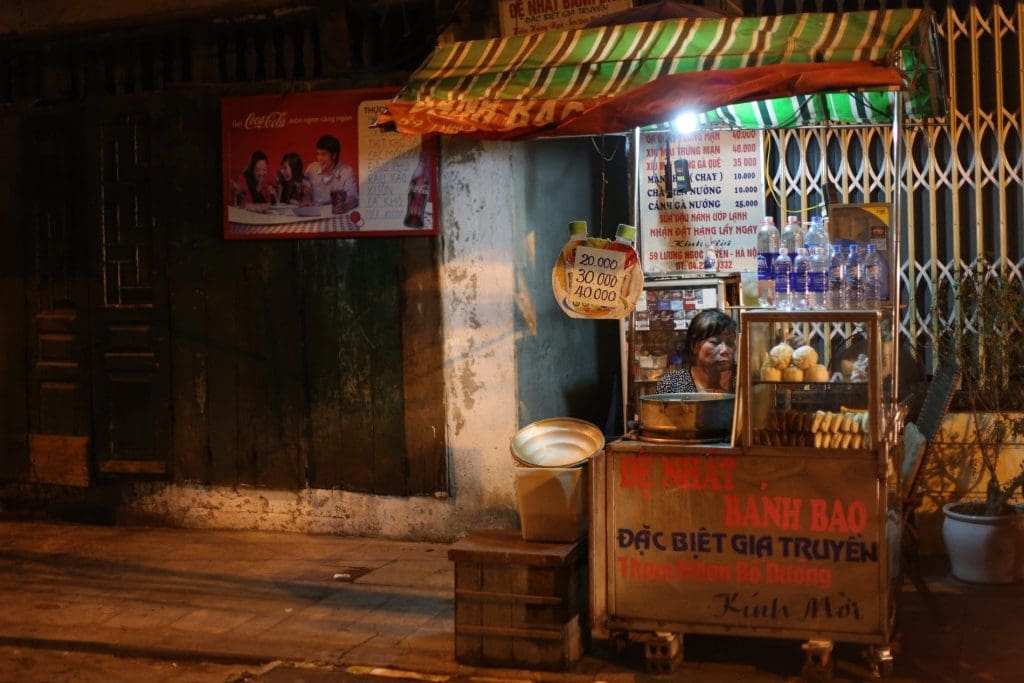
[{"x": 685, "y": 122}]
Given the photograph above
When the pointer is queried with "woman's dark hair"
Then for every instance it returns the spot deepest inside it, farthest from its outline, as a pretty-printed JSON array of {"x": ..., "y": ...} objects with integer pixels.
[
  {"x": 709, "y": 323},
  {"x": 330, "y": 144},
  {"x": 250, "y": 175},
  {"x": 294, "y": 186}
]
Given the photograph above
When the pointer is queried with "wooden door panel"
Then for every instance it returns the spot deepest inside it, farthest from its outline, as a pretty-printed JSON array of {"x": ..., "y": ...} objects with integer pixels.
[
  {"x": 131, "y": 379},
  {"x": 14, "y": 267},
  {"x": 61, "y": 393},
  {"x": 56, "y": 300}
]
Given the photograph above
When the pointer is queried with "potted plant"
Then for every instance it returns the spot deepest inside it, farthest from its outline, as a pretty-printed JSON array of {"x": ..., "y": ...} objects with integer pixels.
[{"x": 985, "y": 538}]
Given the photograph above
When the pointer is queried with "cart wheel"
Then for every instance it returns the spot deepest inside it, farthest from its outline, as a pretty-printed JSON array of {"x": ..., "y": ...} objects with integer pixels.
[
  {"x": 880, "y": 660},
  {"x": 818, "y": 662}
]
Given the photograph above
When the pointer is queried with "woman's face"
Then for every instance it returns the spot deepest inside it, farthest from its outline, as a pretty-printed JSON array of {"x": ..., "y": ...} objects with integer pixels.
[
  {"x": 286, "y": 171},
  {"x": 716, "y": 351},
  {"x": 259, "y": 170}
]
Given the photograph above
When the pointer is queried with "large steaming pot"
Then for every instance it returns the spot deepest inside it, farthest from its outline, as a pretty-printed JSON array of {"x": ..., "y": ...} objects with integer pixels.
[{"x": 686, "y": 416}]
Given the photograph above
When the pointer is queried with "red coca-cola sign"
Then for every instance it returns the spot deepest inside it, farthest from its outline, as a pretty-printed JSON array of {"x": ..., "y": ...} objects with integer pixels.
[
  {"x": 274, "y": 119},
  {"x": 311, "y": 165}
]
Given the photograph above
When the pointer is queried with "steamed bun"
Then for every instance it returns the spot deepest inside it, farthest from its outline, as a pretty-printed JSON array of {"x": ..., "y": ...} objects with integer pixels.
[
  {"x": 781, "y": 355},
  {"x": 792, "y": 374},
  {"x": 805, "y": 357},
  {"x": 816, "y": 373}
]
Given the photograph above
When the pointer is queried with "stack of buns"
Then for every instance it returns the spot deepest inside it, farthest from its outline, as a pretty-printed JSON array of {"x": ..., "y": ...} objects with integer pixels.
[{"x": 783, "y": 363}]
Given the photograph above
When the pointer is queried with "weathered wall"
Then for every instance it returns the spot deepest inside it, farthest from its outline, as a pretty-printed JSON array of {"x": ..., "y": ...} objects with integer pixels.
[
  {"x": 560, "y": 360},
  {"x": 483, "y": 223},
  {"x": 510, "y": 356}
]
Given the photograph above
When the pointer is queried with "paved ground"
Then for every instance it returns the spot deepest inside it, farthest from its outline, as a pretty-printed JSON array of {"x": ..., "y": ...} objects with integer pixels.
[
  {"x": 105, "y": 604},
  {"x": 28, "y": 664}
]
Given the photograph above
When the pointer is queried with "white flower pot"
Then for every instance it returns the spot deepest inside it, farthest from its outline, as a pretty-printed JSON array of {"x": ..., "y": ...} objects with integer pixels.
[{"x": 984, "y": 549}]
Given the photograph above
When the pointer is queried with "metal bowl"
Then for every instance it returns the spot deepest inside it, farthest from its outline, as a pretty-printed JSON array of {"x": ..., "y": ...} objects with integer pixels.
[
  {"x": 686, "y": 416},
  {"x": 556, "y": 442}
]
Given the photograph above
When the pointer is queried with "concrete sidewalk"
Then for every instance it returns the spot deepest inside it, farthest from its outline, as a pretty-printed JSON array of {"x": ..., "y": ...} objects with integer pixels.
[{"x": 256, "y": 597}]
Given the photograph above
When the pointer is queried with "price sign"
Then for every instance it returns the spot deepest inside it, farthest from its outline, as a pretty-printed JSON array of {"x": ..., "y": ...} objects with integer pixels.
[{"x": 597, "y": 277}]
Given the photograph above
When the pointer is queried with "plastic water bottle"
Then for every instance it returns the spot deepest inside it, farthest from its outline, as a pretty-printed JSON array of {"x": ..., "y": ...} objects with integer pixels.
[
  {"x": 871, "y": 279},
  {"x": 792, "y": 237},
  {"x": 816, "y": 237},
  {"x": 836, "y": 277},
  {"x": 782, "y": 268},
  {"x": 767, "y": 252},
  {"x": 798, "y": 293},
  {"x": 852, "y": 280},
  {"x": 817, "y": 280}
]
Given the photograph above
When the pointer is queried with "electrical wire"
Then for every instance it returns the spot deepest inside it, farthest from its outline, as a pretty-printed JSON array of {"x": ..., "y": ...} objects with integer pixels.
[{"x": 605, "y": 159}]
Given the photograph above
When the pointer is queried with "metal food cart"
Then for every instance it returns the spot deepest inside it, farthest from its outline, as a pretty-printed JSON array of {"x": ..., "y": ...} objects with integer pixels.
[{"x": 772, "y": 535}]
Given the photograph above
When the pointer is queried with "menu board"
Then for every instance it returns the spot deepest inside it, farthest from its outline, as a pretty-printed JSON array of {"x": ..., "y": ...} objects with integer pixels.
[{"x": 702, "y": 199}]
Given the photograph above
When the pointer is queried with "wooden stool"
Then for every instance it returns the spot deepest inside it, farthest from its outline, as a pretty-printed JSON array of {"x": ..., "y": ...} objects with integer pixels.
[{"x": 519, "y": 604}]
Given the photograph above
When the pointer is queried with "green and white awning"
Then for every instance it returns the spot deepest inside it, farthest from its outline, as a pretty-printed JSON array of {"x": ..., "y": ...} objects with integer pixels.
[{"x": 775, "y": 71}]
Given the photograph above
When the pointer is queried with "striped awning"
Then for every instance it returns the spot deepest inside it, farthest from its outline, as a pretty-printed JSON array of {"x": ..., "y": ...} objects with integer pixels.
[{"x": 775, "y": 71}]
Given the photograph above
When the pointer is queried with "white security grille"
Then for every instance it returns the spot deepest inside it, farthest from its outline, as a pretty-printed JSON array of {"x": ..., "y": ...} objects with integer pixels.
[{"x": 962, "y": 179}]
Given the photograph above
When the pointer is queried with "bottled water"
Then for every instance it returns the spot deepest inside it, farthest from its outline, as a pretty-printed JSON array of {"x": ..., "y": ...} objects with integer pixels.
[
  {"x": 792, "y": 237},
  {"x": 817, "y": 280},
  {"x": 836, "y": 277},
  {"x": 816, "y": 237},
  {"x": 767, "y": 252},
  {"x": 852, "y": 280},
  {"x": 782, "y": 268},
  {"x": 871, "y": 279},
  {"x": 799, "y": 296}
]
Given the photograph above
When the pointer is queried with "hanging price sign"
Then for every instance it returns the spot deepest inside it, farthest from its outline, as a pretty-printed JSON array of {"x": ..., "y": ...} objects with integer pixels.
[{"x": 595, "y": 279}]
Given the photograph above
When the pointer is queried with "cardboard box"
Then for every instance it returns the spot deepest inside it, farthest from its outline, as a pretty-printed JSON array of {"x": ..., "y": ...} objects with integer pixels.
[
  {"x": 553, "y": 502},
  {"x": 865, "y": 224}
]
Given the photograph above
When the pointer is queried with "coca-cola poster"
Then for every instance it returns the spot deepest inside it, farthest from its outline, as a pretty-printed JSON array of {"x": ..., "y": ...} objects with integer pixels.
[{"x": 310, "y": 165}]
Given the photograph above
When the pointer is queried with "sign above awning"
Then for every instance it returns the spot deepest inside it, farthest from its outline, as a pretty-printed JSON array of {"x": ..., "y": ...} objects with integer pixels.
[{"x": 795, "y": 69}]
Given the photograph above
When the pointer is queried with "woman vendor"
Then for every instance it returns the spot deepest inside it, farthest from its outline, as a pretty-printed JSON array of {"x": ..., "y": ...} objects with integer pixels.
[{"x": 708, "y": 359}]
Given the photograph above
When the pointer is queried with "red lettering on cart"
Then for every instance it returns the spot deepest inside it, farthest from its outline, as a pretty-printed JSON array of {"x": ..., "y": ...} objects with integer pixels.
[
  {"x": 852, "y": 518},
  {"x": 698, "y": 473},
  {"x": 635, "y": 472},
  {"x": 763, "y": 512},
  {"x": 693, "y": 571}
]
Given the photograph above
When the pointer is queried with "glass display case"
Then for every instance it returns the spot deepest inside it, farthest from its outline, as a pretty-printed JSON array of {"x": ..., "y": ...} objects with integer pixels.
[
  {"x": 653, "y": 337},
  {"x": 815, "y": 379}
]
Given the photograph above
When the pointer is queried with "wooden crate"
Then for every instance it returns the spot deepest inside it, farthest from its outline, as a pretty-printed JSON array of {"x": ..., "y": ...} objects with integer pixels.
[{"x": 519, "y": 604}]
